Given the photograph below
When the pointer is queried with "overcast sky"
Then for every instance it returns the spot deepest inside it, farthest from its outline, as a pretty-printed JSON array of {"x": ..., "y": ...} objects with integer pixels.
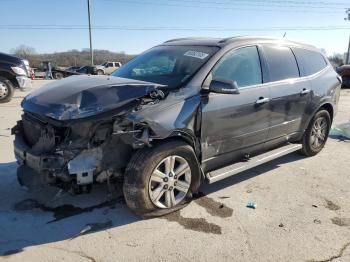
[{"x": 135, "y": 25}]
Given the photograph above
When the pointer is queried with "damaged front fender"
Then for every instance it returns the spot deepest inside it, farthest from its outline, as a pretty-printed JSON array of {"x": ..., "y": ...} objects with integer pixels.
[{"x": 174, "y": 116}]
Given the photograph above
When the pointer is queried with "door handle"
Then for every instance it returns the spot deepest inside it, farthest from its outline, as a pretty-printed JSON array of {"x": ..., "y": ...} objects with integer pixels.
[
  {"x": 305, "y": 91},
  {"x": 262, "y": 100}
]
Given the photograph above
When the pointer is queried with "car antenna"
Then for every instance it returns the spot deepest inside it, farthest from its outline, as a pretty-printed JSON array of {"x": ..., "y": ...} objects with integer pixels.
[{"x": 284, "y": 34}]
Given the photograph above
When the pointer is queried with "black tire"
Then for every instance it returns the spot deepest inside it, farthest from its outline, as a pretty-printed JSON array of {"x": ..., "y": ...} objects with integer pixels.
[
  {"x": 310, "y": 148},
  {"x": 9, "y": 89},
  {"x": 346, "y": 82},
  {"x": 100, "y": 72},
  {"x": 139, "y": 171},
  {"x": 58, "y": 76}
]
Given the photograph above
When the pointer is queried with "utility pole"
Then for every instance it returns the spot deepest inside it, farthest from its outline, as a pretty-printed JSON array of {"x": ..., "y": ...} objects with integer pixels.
[
  {"x": 348, "y": 53},
  {"x": 91, "y": 50}
]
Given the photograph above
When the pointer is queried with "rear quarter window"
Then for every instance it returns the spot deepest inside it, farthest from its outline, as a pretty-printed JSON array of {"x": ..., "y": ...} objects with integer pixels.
[
  {"x": 281, "y": 63},
  {"x": 310, "y": 62}
]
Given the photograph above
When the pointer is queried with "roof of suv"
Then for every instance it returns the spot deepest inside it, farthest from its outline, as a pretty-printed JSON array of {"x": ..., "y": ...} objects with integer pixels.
[{"x": 233, "y": 40}]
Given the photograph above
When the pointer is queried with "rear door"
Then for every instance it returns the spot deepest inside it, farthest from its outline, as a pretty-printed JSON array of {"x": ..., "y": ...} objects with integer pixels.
[
  {"x": 290, "y": 94},
  {"x": 235, "y": 124}
]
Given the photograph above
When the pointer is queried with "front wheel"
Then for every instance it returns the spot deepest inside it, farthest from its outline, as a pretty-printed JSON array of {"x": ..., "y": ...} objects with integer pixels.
[
  {"x": 6, "y": 91},
  {"x": 316, "y": 134},
  {"x": 99, "y": 72},
  {"x": 161, "y": 179}
]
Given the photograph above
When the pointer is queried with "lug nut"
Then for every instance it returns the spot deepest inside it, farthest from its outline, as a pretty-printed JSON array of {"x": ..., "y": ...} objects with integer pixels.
[
  {"x": 171, "y": 188},
  {"x": 170, "y": 175},
  {"x": 165, "y": 186},
  {"x": 165, "y": 179},
  {"x": 175, "y": 176},
  {"x": 175, "y": 183}
]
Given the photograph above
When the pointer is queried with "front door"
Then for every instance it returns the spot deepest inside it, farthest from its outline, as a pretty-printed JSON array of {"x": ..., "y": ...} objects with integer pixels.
[{"x": 235, "y": 124}]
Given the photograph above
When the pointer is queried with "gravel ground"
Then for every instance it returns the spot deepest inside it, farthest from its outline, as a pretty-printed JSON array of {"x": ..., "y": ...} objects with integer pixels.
[{"x": 302, "y": 214}]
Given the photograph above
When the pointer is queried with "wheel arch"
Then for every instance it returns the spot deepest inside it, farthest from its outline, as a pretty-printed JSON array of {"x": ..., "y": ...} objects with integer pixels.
[
  {"x": 189, "y": 139},
  {"x": 328, "y": 107}
]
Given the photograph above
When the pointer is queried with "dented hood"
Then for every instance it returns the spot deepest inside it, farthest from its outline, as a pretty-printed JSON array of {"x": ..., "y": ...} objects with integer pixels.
[{"x": 82, "y": 96}]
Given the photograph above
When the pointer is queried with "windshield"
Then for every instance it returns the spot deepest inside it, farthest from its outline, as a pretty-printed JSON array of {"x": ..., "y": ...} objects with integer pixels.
[{"x": 167, "y": 65}]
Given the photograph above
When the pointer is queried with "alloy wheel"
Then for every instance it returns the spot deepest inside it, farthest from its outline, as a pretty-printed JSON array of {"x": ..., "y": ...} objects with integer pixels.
[
  {"x": 170, "y": 182},
  {"x": 3, "y": 90},
  {"x": 319, "y": 132}
]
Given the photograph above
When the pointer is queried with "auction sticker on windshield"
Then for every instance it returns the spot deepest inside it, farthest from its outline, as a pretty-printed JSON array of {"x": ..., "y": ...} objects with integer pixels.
[{"x": 196, "y": 54}]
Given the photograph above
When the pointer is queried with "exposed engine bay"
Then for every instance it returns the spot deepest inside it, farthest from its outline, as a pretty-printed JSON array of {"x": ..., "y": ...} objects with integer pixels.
[{"x": 73, "y": 153}]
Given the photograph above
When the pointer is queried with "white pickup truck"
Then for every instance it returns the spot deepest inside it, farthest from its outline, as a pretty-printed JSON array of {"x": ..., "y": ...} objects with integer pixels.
[{"x": 107, "y": 68}]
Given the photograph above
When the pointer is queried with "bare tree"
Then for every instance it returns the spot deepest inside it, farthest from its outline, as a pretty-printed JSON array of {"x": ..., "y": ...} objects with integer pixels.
[
  {"x": 25, "y": 52},
  {"x": 69, "y": 58}
]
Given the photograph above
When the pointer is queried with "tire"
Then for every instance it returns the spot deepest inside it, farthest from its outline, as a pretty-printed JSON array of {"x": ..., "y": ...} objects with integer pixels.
[
  {"x": 346, "y": 82},
  {"x": 99, "y": 72},
  {"x": 143, "y": 180},
  {"x": 316, "y": 135},
  {"x": 58, "y": 76},
  {"x": 6, "y": 90}
]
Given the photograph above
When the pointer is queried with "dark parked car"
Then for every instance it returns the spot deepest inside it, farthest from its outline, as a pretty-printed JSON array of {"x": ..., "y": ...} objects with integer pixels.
[
  {"x": 72, "y": 68},
  {"x": 182, "y": 112},
  {"x": 14, "y": 73},
  {"x": 91, "y": 70},
  {"x": 344, "y": 72}
]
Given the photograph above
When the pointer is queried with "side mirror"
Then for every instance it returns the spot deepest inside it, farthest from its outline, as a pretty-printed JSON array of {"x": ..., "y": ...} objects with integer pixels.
[{"x": 223, "y": 86}]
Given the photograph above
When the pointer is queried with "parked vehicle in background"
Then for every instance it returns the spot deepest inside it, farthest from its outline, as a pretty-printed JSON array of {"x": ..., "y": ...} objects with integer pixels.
[
  {"x": 73, "y": 68},
  {"x": 60, "y": 73},
  {"x": 182, "y": 112},
  {"x": 14, "y": 73},
  {"x": 107, "y": 68},
  {"x": 88, "y": 70},
  {"x": 344, "y": 72}
]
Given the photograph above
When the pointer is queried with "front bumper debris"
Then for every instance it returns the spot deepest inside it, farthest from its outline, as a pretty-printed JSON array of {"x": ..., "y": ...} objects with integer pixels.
[
  {"x": 24, "y": 82},
  {"x": 46, "y": 158},
  {"x": 38, "y": 163}
]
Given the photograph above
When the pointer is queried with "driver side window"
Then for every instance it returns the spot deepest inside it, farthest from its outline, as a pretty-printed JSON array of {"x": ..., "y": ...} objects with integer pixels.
[{"x": 240, "y": 65}]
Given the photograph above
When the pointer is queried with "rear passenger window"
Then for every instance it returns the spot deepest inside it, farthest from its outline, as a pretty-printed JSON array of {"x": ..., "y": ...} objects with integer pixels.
[
  {"x": 282, "y": 63},
  {"x": 310, "y": 62},
  {"x": 240, "y": 65}
]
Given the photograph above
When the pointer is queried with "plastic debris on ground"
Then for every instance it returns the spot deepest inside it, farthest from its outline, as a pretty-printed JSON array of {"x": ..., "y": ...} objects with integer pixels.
[
  {"x": 251, "y": 205},
  {"x": 341, "y": 130}
]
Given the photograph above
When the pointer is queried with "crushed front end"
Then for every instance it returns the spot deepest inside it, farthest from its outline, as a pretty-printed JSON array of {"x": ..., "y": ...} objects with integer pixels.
[
  {"x": 73, "y": 156},
  {"x": 76, "y": 142}
]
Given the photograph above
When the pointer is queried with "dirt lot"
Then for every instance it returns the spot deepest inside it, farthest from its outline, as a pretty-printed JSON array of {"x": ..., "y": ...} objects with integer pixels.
[{"x": 303, "y": 213}]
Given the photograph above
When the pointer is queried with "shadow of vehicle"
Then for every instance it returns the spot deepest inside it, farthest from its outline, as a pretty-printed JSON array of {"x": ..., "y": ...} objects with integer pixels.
[{"x": 46, "y": 215}]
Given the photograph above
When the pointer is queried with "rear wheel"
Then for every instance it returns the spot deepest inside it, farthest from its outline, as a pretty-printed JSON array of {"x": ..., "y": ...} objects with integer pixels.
[
  {"x": 161, "y": 179},
  {"x": 316, "y": 134},
  {"x": 6, "y": 91}
]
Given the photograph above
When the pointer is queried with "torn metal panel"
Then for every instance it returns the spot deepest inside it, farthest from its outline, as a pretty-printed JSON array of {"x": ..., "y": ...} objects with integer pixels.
[
  {"x": 84, "y": 165},
  {"x": 174, "y": 113}
]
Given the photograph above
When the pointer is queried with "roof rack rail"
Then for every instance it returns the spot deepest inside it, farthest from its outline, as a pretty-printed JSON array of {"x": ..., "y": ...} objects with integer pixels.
[
  {"x": 183, "y": 38},
  {"x": 224, "y": 40}
]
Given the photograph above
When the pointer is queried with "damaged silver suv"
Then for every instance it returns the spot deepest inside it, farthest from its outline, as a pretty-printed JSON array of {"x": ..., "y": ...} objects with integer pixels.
[{"x": 182, "y": 112}]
